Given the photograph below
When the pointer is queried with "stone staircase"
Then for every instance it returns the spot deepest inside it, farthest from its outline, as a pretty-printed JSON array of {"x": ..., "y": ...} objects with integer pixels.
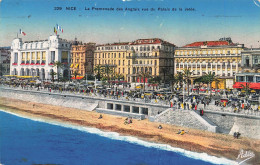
[{"x": 185, "y": 118}]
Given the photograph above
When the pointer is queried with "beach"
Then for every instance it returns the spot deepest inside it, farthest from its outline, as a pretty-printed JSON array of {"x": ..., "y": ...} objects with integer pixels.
[{"x": 219, "y": 145}]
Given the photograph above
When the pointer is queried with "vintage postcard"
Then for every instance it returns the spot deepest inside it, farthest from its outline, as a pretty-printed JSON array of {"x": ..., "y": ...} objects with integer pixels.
[{"x": 129, "y": 82}]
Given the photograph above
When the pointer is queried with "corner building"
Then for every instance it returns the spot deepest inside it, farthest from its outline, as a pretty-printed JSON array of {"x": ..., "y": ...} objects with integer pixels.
[
  {"x": 223, "y": 58},
  {"x": 82, "y": 58},
  {"x": 154, "y": 56},
  {"x": 37, "y": 58}
]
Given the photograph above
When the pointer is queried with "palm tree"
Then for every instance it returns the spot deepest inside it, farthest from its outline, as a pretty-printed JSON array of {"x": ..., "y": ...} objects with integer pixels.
[
  {"x": 246, "y": 88},
  {"x": 52, "y": 75},
  {"x": 164, "y": 70},
  {"x": 107, "y": 70},
  {"x": 186, "y": 77},
  {"x": 98, "y": 69},
  {"x": 155, "y": 80},
  {"x": 179, "y": 78},
  {"x": 209, "y": 78},
  {"x": 173, "y": 80},
  {"x": 58, "y": 65},
  {"x": 144, "y": 75}
]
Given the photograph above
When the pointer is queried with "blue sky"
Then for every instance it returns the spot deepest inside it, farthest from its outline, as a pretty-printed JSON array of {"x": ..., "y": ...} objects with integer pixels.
[{"x": 211, "y": 20}]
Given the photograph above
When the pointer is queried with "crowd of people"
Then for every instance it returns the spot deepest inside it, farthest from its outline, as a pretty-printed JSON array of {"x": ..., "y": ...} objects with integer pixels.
[{"x": 174, "y": 100}]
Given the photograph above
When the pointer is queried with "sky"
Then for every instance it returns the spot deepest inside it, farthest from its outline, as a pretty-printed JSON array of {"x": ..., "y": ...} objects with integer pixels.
[{"x": 207, "y": 20}]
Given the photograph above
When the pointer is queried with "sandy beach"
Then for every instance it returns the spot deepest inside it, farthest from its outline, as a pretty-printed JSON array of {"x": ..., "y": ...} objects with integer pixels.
[{"x": 219, "y": 145}]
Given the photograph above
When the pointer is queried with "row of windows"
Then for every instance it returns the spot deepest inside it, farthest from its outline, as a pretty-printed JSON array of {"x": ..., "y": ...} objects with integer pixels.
[
  {"x": 208, "y": 52},
  {"x": 112, "y": 55},
  {"x": 136, "y": 48}
]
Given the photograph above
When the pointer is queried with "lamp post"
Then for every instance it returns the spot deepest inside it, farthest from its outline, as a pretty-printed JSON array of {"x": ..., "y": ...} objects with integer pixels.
[{"x": 183, "y": 92}]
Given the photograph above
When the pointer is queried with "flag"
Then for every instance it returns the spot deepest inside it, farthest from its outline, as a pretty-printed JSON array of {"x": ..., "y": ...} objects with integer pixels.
[
  {"x": 59, "y": 28},
  {"x": 55, "y": 31},
  {"x": 21, "y": 32}
]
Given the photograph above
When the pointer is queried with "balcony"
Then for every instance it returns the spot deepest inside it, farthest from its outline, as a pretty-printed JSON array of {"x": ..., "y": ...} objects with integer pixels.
[{"x": 14, "y": 63}]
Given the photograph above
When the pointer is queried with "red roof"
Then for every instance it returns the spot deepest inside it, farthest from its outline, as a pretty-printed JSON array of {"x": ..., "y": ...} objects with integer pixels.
[
  {"x": 251, "y": 85},
  {"x": 207, "y": 43}
]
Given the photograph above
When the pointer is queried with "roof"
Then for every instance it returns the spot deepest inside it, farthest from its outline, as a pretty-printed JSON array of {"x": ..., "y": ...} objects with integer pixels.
[
  {"x": 208, "y": 43},
  {"x": 150, "y": 41},
  {"x": 140, "y": 42}
]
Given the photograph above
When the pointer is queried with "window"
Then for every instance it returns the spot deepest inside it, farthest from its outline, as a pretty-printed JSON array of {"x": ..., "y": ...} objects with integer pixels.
[
  {"x": 256, "y": 61},
  {"x": 123, "y": 62},
  {"x": 128, "y": 70},
  {"x": 128, "y": 62},
  {"x": 119, "y": 70},
  {"x": 15, "y": 57},
  {"x": 258, "y": 79},
  {"x": 240, "y": 78},
  {"x": 155, "y": 54},
  {"x": 118, "y": 62},
  {"x": 155, "y": 62},
  {"x": 123, "y": 70},
  {"x": 250, "y": 78}
]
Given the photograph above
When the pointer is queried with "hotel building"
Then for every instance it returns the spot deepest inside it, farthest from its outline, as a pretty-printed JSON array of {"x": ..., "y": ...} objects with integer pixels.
[
  {"x": 153, "y": 56},
  {"x": 82, "y": 58},
  {"x": 223, "y": 58},
  {"x": 251, "y": 60},
  {"x": 37, "y": 58}
]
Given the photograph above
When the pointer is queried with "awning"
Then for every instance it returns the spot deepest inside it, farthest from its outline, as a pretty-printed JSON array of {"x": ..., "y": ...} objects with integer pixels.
[
  {"x": 71, "y": 65},
  {"x": 78, "y": 77},
  {"x": 77, "y": 65},
  {"x": 251, "y": 85}
]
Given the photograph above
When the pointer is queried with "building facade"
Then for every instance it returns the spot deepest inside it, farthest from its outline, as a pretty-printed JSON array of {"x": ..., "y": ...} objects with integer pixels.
[
  {"x": 153, "y": 56},
  {"x": 82, "y": 58},
  {"x": 37, "y": 58},
  {"x": 251, "y": 60},
  {"x": 223, "y": 58},
  {"x": 5, "y": 55}
]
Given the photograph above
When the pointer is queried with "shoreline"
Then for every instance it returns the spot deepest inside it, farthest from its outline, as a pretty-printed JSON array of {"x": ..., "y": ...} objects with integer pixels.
[{"x": 218, "y": 145}]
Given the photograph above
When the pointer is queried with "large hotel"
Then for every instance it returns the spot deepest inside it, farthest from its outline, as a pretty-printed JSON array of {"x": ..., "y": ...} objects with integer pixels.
[
  {"x": 153, "y": 56},
  {"x": 223, "y": 58},
  {"x": 37, "y": 58}
]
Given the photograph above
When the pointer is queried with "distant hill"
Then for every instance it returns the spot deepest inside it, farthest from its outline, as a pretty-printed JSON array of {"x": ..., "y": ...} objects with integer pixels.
[{"x": 5, "y": 47}]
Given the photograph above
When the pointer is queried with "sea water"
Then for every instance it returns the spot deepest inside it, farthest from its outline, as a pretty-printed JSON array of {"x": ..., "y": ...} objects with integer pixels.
[{"x": 33, "y": 141}]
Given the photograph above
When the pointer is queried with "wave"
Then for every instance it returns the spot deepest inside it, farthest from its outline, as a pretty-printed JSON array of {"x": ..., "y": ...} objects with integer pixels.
[{"x": 134, "y": 140}]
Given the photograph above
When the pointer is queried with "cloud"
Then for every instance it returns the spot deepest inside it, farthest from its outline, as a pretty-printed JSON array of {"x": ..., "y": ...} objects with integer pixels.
[{"x": 161, "y": 24}]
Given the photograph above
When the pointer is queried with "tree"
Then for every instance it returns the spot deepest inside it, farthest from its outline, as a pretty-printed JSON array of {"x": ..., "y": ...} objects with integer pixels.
[
  {"x": 144, "y": 75},
  {"x": 246, "y": 88},
  {"x": 58, "y": 65},
  {"x": 209, "y": 78},
  {"x": 98, "y": 69},
  {"x": 107, "y": 70},
  {"x": 155, "y": 81},
  {"x": 179, "y": 78},
  {"x": 52, "y": 75},
  {"x": 173, "y": 80},
  {"x": 164, "y": 70},
  {"x": 186, "y": 77}
]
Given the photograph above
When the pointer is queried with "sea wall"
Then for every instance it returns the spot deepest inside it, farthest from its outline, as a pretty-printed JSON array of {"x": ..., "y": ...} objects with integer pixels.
[
  {"x": 247, "y": 125},
  {"x": 223, "y": 122},
  {"x": 73, "y": 100}
]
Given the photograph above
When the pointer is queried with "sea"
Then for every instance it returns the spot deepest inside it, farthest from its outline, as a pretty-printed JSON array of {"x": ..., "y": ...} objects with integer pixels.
[{"x": 27, "y": 141}]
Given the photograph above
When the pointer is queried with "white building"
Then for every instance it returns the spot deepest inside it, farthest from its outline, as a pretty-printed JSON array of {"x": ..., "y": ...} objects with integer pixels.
[{"x": 36, "y": 58}]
